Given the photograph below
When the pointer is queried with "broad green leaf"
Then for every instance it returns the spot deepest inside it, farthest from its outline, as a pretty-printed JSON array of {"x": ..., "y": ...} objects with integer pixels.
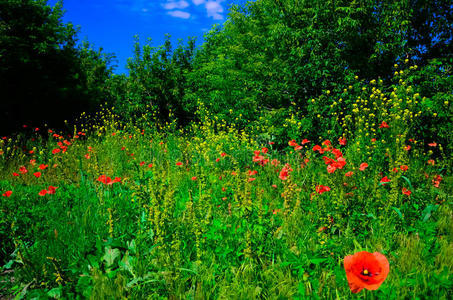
[{"x": 110, "y": 255}]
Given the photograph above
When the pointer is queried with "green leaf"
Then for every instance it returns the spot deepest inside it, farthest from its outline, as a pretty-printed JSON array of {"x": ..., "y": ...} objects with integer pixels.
[
  {"x": 427, "y": 212},
  {"x": 408, "y": 182},
  {"x": 356, "y": 244},
  {"x": 110, "y": 255},
  {"x": 317, "y": 261},
  {"x": 8, "y": 264},
  {"x": 398, "y": 212},
  {"x": 55, "y": 293}
]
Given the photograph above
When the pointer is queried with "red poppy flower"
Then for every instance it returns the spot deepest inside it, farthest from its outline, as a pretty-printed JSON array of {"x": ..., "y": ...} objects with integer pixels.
[
  {"x": 366, "y": 270},
  {"x": 292, "y": 143},
  {"x": 251, "y": 179},
  {"x": 404, "y": 168},
  {"x": 37, "y": 174},
  {"x": 87, "y": 156},
  {"x": 107, "y": 180},
  {"x": 150, "y": 165},
  {"x": 179, "y": 163},
  {"x": 251, "y": 173},
  {"x": 42, "y": 193},
  {"x": 407, "y": 148},
  {"x": 102, "y": 178},
  {"x": 384, "y": 125},
  {"x": 318, "y": 148},
  {"x": 55, "y": 151},
  {"x": 223, "y": 154},
  {"x": 322, "y": 188},
  {"x": 385, "y": 180},
  {"x": 43, "y": 166},
  {"x": 284, "y": 173},
  {"x": 23, "y": 170},
  {"x": 432, "y": 144},
  {"x": 15, "y": 174},
  {"x": 142, "y": 163},
  {"x": 7, "y": 193},
  {"x": 275, "y": 162},
  {"x": 194, "y": 178},
  {"x": 431, "y": 162},
  {"x": 51, "y": 190},
  {"x": 305, "y": 141},
  {"x": 340, "y": 163},
  {"x": 342, "y": 141},
  {"x": 349, "y": 174},
  {"x": 322, "y": 228},
  {"x": 406, "y": 192},
  {"x": 436, "y": 181},
  {"x": 260, "y": 158},
  {"x": 363, "y": 166}
]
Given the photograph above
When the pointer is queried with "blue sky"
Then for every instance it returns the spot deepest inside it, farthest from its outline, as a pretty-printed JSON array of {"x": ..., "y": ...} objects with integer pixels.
[{"x": 112, "y": 24}]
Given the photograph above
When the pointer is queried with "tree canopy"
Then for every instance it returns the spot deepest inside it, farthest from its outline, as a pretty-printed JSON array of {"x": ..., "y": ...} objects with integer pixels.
[{"x": 45, "y": 77}]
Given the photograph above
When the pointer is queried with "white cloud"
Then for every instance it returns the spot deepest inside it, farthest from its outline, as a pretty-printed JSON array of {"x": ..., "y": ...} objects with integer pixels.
[
  {"x": 179, "y": 14},
  {"x": 198, "y": 2},
  {"x": 136, "y": 6},
  {"x": 214, "y": 9},
  {"x": 176, "y": 4}
]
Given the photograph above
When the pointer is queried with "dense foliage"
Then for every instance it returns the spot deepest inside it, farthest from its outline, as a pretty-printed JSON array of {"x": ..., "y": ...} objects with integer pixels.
[
  {"x": 271, "y": 58},
  {"x": 44, "y": 75}
]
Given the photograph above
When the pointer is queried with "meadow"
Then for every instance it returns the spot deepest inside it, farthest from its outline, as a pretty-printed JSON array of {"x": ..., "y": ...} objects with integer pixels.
[{"x": 118, "y": 210}]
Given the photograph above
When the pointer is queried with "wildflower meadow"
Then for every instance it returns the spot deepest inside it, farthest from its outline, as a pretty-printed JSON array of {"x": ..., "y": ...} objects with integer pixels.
[{"x": 119, "y": 211}]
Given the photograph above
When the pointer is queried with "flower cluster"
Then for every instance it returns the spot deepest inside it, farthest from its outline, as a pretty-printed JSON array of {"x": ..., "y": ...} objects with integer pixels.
[{"x": 107, "y": 180}]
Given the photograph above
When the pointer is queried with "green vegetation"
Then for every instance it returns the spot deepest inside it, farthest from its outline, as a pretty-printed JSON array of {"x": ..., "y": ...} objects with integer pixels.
[
  {"x": 44, "y": 75},
  {"x": 230, "y": 172}
]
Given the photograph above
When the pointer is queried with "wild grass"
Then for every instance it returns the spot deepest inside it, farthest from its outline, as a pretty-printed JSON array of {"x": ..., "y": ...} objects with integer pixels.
[{"x": 206, "y": 213}]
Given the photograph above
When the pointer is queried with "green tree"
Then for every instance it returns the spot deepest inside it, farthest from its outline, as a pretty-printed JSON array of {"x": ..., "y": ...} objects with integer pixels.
[
  {"x": 157, "y": 81},
  {"x": 274, "y": 54},
  {"x": 44, "y": 76}
]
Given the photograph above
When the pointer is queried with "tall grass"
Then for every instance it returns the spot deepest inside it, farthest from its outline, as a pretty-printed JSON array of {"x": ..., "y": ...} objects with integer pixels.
[{"x": 206, "y": 212}]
